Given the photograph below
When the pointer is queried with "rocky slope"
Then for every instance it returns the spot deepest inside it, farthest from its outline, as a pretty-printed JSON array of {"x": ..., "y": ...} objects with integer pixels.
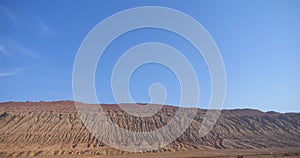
[{"x": 55, "y": 128}]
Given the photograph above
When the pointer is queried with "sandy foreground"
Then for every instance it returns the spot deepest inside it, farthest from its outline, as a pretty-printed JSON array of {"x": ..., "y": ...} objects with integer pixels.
[{"x": 290, "y": 152}]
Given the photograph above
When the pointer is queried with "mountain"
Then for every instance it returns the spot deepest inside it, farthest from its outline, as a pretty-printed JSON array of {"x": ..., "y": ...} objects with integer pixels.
[{"x": 55, "y": 128}]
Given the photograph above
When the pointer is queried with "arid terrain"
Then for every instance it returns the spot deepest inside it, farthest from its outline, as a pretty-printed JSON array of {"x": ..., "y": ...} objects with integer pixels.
[{"x": 54, "y": 129}]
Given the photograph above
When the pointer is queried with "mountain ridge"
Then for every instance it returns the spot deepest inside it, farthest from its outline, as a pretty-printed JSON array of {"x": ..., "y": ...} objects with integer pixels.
[
  {"x": 141, "y": 104},
  {"x": 55, "y": 128}
]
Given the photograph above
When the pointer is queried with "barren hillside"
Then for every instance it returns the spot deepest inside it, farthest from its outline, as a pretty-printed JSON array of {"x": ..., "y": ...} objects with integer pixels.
[{"x": 55, "y": 128}]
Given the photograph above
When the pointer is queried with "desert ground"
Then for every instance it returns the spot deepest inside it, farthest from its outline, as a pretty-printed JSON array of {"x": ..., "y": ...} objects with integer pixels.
[{"x": 289, "y": 152}]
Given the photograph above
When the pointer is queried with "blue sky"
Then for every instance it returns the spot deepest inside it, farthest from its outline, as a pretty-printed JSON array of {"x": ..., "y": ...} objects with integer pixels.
[{"x": 259, "y": 42}]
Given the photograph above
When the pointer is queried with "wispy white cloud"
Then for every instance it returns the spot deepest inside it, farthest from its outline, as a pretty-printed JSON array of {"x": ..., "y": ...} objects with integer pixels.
[
  {"x": 43, "y": 28},
  {"x": 43, "y": 25},
  {"x": 26, "y": 52},
  {"x": 8, "y": 13},
  {"x": 15, "y": 50},
  {"x": 36, "y": 22},
  {"x": 16, "y": 71},
  {"x": 6, "y": 52}
]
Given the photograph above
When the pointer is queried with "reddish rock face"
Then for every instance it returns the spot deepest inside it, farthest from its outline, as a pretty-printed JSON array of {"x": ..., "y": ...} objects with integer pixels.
[{"x": 55, "y": 128}]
